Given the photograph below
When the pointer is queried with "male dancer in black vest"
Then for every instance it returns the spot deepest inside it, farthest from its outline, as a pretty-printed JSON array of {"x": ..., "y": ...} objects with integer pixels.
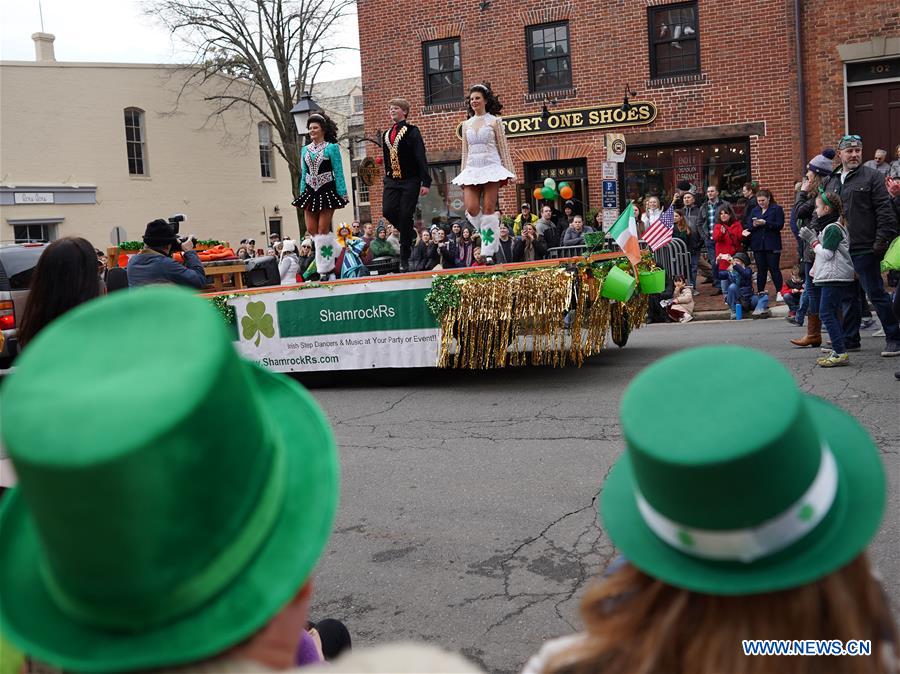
[{"x": 406, "y": 176}]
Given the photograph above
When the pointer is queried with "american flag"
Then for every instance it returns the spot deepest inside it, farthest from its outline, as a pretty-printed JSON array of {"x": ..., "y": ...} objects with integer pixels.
[{"x": 660, "y": 232}]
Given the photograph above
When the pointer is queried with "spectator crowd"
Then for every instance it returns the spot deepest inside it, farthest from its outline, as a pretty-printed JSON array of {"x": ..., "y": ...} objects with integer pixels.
[{"x": 715, "y": 548}]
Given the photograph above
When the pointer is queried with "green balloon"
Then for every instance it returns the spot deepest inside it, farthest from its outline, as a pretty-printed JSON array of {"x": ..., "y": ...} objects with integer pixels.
[
  {"x": 562, "y": 184},
  {"x": 550, "y": 182},
  {"x": 548, "y": 192}
]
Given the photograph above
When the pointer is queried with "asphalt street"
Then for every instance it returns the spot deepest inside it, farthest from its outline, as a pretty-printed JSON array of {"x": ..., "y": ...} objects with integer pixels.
[{"x": 467, "y": 513}]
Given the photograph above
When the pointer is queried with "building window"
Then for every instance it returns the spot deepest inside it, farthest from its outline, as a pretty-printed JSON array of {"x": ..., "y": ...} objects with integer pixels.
[
  {"x": 357, "y": 104},
  {"x": 357, "y": 148},
  {"x": 674, "y": 40},
  {"x": 136, "y": 142},
  {"x": 266, "y": 165},
  {"x": 443, "y": 71},
  {"x": 362, "y": 192},
  {"x": 444, "y": 201},
  {"x": 550, "y": 64},
  {"x": 655, "y": 171},
  {"x": 34, "y": 233}
]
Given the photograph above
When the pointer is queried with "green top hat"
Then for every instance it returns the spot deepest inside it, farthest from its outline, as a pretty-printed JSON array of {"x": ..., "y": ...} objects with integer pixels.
[
  {"x": 774, "y": 494},
  {"x": 163, "y": 513}
]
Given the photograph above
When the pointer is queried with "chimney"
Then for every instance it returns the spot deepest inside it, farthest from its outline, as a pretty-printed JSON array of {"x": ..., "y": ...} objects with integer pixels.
[{"x": 43, "y": 46}]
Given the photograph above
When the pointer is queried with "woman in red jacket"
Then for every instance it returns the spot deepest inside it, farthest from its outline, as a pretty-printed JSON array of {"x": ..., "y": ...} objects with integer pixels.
[{"x": 727, "y": 235}]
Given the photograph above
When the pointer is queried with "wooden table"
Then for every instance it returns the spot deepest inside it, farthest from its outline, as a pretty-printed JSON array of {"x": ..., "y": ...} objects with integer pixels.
[{"x": 220, "y": 272}]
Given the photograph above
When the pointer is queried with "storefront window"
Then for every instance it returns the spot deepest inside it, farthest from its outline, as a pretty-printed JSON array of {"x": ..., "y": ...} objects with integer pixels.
[
  {"x": 654, "y": 171},
  {"x": 444, "y": 202}
]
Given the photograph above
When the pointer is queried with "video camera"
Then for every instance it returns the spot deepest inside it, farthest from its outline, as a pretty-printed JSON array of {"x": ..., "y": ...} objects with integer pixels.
[{"x": 176, "y": 221}]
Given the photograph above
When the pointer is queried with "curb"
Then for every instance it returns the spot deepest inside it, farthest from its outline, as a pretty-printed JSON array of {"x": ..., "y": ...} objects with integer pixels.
[{"x": 780, "y": 311}]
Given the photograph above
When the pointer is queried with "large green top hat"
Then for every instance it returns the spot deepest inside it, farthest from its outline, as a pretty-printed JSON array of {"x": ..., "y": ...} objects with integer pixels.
[
  {"x": 768, "y": 493},
  {"x": 163, "y": 514}
]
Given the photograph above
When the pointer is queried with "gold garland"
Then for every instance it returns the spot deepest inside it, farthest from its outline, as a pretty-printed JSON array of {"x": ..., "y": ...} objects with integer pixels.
[
  {"x": 498, "y": 317},
  {"x": 396, "y": 173}
]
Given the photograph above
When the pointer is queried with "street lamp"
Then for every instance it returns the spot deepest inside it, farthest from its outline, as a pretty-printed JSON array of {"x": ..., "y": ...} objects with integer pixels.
[
  {"x": 626, "y": 104},
  {"x": 301, "y": 112}
]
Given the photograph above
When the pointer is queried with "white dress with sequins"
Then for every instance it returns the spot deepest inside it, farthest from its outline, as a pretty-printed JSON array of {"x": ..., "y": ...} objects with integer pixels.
[{"x": 485, "y": 154}]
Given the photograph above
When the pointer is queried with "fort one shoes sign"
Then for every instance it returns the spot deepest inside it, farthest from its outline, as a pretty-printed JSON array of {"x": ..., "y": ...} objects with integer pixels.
[{"x": 577, "y": 119}]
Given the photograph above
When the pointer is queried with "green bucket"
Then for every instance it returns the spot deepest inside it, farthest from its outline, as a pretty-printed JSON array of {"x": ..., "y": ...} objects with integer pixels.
[
  {"x": 618, "y": 285},
  {"x": 652, "y": 281}
]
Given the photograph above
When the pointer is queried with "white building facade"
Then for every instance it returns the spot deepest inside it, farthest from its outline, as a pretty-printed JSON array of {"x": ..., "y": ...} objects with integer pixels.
[{"x": 86, "y": 147}]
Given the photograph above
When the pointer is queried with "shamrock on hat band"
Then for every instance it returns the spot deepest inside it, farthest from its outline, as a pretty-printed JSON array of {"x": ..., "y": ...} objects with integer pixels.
[{"x": 752, "y": 543}]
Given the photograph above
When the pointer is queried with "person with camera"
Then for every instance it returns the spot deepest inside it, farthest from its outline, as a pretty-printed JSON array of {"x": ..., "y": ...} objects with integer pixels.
[{"x": 154, "y": 264}]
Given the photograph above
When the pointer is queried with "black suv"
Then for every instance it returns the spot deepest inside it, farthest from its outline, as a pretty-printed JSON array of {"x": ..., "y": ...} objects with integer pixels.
[{"x": 17, "y": 263}]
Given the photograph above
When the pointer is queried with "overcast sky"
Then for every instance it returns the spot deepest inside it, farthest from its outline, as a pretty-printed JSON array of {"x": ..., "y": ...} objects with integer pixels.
[{"x": 116, "y": 31}]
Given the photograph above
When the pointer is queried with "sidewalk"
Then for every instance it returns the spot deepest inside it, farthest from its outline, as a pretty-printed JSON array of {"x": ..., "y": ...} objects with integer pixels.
[{"x": 709, "y": 307}]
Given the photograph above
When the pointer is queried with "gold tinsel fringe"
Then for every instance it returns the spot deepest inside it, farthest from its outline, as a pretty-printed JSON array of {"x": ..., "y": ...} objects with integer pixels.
[{"x": 496, "y": 316}]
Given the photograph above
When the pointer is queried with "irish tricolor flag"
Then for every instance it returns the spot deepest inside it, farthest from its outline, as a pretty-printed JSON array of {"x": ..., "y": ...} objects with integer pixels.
[{"x": 625, "y": 234}]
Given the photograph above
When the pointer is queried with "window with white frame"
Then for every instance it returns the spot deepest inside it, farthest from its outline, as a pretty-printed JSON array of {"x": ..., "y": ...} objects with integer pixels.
[
  {"x": 136, "y": 142},
  {"x": 362, "y": 192},
  {"x": 266, "y": 163},
  {"x": 357, "y": 104},
  {"x": 359, "y": 148}
]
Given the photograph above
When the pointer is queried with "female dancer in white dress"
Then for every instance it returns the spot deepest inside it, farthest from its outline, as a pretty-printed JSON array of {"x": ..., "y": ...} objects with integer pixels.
[{"x": 486, "y": 164}]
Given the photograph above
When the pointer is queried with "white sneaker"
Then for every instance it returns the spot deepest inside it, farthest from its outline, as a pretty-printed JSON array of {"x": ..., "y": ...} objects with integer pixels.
[
  {"x": 686, "y": 318},
  {"x": 879, "y": 333},
  {"x": 778, "y": 297}
]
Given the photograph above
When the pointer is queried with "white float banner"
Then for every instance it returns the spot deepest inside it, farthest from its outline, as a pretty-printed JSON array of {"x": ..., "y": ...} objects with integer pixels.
[{"x": 354, "y": 326}]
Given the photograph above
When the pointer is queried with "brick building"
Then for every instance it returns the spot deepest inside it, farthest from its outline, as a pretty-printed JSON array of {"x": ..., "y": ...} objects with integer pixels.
[{"x": 715, "y": 88}]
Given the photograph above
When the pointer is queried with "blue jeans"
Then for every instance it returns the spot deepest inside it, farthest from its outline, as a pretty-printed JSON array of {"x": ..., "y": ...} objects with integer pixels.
[
  {"x": 803, "y": 309},
  {"x": 695, "y": 258},
  {"x": 758, "y": 303},
  {"x": 828, "y": 300},
  {"x": 866, "y": 267},
  {"x": 711, "y": 256},
  {"x": 731, "y": 292}
]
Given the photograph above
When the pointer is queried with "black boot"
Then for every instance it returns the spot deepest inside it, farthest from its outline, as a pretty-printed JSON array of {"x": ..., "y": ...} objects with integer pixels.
[{"x": 404, "y": 265}]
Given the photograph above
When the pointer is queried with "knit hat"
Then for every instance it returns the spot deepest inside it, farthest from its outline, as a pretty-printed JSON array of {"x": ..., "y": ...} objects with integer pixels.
[
  {"x": 288, "y": 246},
  {"x": 743, "y": 257},
  {"x": 155, "y": 526},
  {"x": 822, "y": 164},
  {"x": 379, "y": 229},
  {"x": 772, "y": 507},
  {"x": 159, "y": 233}
]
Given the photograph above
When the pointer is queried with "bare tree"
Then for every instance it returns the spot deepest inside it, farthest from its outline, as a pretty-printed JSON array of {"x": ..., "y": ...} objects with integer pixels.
[{"x": 257, "y": 53}]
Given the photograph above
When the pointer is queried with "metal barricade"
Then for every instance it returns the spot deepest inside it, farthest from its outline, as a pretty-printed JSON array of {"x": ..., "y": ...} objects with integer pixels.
[
  {"x": 675, "y": 258},
  {"x": 383, "y": 265},
  {"x": 564, "y": 251}
]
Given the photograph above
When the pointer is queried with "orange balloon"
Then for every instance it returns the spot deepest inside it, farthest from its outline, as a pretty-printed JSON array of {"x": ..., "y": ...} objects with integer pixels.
[
  {"x": 537, "y": 193},
  {"x": 566, "y": 192}
]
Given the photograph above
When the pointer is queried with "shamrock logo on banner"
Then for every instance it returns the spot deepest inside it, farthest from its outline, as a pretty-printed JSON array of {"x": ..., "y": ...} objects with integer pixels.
[
  {"x": 257, "y": 322},
  {"x": 327, "y": 251},
  {"x": 487, "y": 236}
]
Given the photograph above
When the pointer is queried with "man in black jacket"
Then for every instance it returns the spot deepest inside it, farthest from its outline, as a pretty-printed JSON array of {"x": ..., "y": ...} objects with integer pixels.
[
  {"x": 406, "y": 176},
  {"x": 872, "y": 226}
]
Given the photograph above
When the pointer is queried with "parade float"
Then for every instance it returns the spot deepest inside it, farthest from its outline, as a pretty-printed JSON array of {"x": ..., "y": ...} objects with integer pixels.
[{"x": 548, "y": 312}]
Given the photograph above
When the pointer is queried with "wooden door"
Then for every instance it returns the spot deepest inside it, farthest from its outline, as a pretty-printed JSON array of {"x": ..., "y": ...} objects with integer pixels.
[{"x": 874, "y": 113}]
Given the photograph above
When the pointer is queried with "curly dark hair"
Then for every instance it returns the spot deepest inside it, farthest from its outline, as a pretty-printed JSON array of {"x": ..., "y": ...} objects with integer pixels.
[
  {"x": 492, "y": 104},
  {"x": 327, "y": 124}
]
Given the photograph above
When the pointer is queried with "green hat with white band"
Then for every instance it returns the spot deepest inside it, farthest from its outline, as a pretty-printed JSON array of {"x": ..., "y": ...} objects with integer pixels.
[
  {"x": 165, "y": 512},
  {"x": 752, "y": 489}
]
